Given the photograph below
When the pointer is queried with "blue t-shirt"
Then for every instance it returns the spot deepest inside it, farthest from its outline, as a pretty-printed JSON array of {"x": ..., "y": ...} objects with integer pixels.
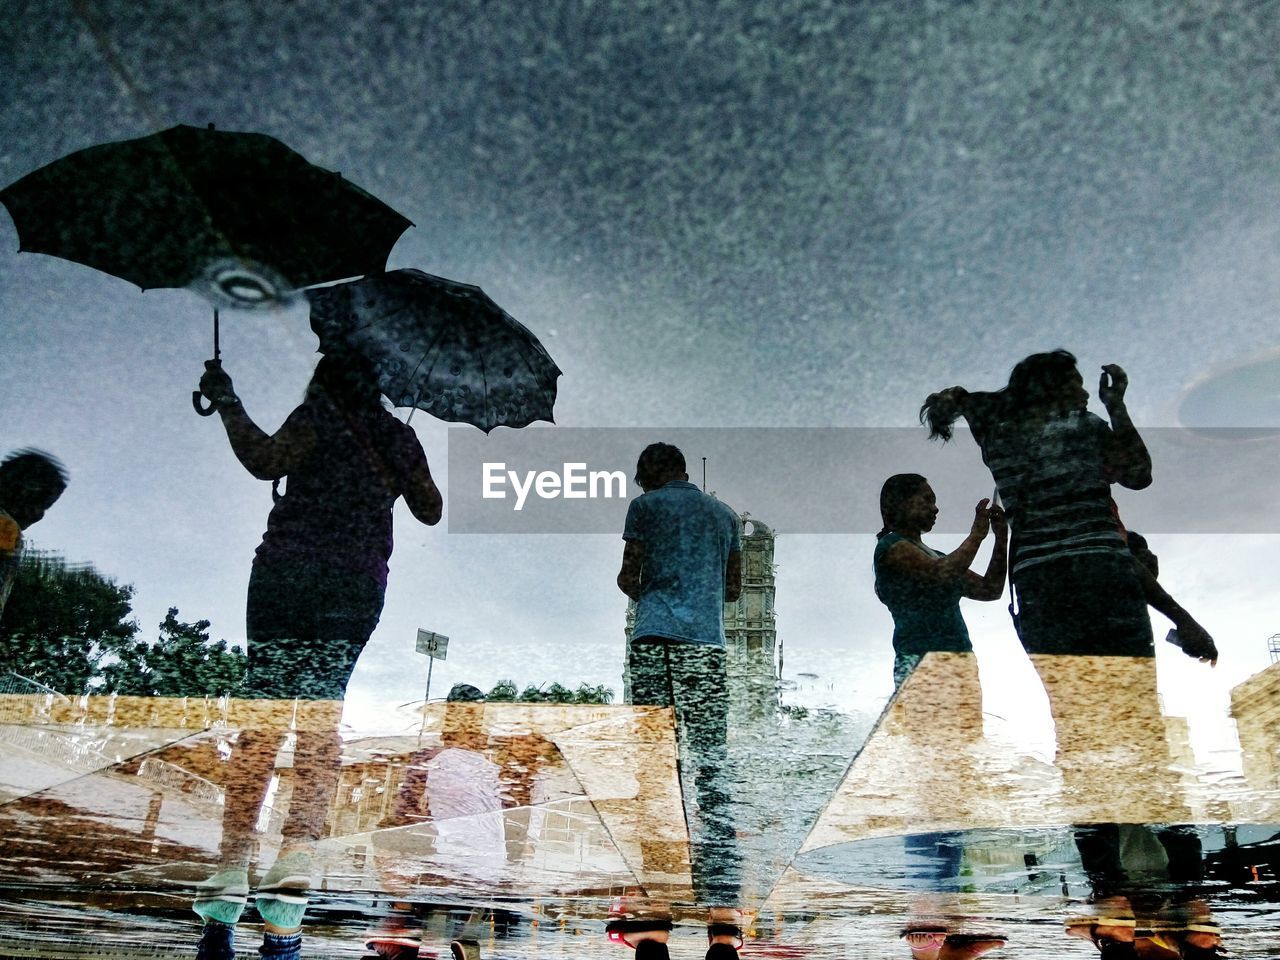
[
  {"x": 687, "y": 538},
  {"x": 926, "y": 616}
]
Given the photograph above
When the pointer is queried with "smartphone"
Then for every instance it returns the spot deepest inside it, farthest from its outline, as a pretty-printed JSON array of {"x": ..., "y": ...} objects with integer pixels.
[{"x": 995, "y": 497}]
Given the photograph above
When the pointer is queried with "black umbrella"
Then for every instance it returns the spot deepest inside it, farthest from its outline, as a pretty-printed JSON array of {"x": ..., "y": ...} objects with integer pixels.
[
  {"x": 238, "y": 212},
  {"x": 239, "y": 216},
  {"x": 439, "y": 346}
]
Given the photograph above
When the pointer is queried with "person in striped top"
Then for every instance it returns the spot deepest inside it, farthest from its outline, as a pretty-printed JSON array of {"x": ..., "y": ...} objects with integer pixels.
[{"x": 1053, "y": 462}]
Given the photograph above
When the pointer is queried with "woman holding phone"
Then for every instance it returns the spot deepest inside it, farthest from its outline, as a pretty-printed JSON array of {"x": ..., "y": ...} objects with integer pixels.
[{"x": 921, "y": 586}]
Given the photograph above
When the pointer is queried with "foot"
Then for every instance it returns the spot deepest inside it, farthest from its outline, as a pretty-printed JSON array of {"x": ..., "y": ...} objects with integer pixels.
[
  {"x": 969, "y": 947},
  {"x": 282, "y": 895},
  {"x": 630, "y": 932},
  {"x": 925, "y": 944},
  {"x": 222, "y": 898},
  {"x": 393, "y": 947}
]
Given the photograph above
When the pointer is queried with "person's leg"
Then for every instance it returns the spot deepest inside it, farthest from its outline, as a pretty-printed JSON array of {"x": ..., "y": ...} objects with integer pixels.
[
  {"x": 701, "y": 699},
  {"x": 903, "y": 665},
  {"x": 217, "y": 941},
  {"x": 650, "y": 676},
  {"x": 281, "y": 946},
  {"x": 343, "y": 612}
]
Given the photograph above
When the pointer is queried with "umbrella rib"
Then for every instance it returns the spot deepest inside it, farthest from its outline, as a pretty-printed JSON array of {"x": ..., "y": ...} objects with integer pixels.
[
  {"x": 536, "y": 376},
  {"x": 484, "y": 381},
  {"x": 426, "y": 353}
]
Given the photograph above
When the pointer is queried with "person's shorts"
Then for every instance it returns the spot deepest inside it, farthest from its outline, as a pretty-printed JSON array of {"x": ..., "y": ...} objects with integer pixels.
[
  {"x": 306, "y": 626},
  {"x": 1091, "y": 604}
]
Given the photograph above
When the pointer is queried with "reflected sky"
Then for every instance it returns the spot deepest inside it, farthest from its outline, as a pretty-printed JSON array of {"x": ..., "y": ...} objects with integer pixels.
[{"x": 802, "y": 214}]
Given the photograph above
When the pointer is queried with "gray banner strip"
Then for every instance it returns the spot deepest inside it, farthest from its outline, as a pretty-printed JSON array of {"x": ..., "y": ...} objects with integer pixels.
[{"x": 826, "y": 479}]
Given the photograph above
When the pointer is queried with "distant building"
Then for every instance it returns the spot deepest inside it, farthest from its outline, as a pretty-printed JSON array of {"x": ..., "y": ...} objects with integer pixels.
[
  {"x": 1255, "y": 705},
  {"x": 750, "y": 625},
  {"x": 754, "y": 657}
]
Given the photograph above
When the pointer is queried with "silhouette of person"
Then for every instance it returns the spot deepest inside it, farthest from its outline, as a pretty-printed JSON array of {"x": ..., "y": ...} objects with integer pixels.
[
  {"x": 30, "y": 483},
  {"x": 1076, "y": 585},
  {"x": 649, "y": 936},
  {"x": 1192, "y": 638},
  {"x": 1146, "y": 882},
  {"x": 315, "y": 595},
  {"x": 921, "y": 586},
  {"x": 937, "y": 943},
  {"x": 681, "y": 562}
]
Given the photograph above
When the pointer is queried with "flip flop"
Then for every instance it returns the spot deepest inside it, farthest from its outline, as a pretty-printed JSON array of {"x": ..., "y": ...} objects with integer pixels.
[
  {"x": 725, "y": 930},
  {"x": 617, "y": 930}
]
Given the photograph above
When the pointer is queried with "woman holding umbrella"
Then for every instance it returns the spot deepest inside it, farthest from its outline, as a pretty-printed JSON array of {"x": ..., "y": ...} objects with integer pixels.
[{"x": 315, "y": 596}]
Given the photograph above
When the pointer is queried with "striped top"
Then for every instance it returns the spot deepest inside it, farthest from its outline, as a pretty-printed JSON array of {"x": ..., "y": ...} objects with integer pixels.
[{"x": 1052, "y": 478}]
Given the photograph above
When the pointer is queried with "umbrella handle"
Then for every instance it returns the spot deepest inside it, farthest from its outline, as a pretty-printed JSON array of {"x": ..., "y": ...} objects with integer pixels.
[{"x": 196, "y": 397}]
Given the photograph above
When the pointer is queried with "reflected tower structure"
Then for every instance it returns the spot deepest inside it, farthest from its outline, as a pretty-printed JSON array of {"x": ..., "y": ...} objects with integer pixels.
[
  {"x": 750, "y": 625},
  {"x": 753, "y": 654},
  {"x": 1255, "y": 706}
]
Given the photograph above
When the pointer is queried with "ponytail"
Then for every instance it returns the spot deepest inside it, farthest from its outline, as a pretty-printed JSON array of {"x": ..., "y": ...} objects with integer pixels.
[{"x": 942, "y": 409}]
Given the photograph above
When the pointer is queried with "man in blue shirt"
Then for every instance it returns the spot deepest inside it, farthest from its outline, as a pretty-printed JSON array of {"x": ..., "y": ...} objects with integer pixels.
[{"x": 681, "y": 563}]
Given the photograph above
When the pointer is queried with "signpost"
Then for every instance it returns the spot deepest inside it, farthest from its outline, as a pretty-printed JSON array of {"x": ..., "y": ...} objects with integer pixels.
[{"x": 435, "y": 646}]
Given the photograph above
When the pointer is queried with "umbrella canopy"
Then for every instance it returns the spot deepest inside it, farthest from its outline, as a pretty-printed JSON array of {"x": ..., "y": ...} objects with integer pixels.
[
  {"x": 440, "y": 346},
  {"x": 239, "y": 212}
]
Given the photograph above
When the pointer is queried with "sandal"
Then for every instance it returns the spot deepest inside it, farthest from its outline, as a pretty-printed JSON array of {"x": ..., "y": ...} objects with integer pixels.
[
  {"x": 725, "y": 930},
  {"x": 617, "y": 930}
]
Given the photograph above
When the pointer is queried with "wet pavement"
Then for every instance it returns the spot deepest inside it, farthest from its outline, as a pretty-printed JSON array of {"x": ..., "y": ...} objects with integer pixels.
[{"x": 530, "y": 827}]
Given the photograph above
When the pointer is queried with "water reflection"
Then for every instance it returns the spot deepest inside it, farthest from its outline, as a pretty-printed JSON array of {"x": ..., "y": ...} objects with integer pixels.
[{"x": 702, "y": 809}]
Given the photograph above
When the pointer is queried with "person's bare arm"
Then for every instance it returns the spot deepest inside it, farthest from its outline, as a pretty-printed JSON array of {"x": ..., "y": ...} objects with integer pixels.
[
  {"x": 990, "y": 586},
  {"x": 906, "y": 558},
  {"x": 421, "y": 493},
  {"x": 1128, "y": 460},
  {"x": 266, "y": 457},
  {"x": 1195, "y": 639},
  {"x": 733, "y": 577},
  {"x": 632, "y": 564}
]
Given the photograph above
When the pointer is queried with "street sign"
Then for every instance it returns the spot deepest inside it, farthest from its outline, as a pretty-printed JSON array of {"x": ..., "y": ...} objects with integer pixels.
[{"x": 434, "y": 645}]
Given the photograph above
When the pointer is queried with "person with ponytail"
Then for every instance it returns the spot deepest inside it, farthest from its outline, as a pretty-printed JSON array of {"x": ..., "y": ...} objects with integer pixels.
[
  {"x": 1053, "y": 462},
  {"x": 921, "y": 586}
]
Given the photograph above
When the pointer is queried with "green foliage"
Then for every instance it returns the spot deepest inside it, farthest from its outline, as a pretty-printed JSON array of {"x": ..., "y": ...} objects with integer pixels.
[
  {"x": 181, "y": 663},
  {"x": 506, "y": 691},
  {"x": 596, "y": 694},
  {"x": 69, "y": 628},
  {"x": 557, "y": 693},
  {"x": 532, "y": 694},
  {"x": 62, "y": 622}
]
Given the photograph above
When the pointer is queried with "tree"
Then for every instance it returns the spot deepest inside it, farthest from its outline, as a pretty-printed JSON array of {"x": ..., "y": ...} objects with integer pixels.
[
  {"x": 62, "y": 622},
  {"x": 597, "y": 694},
  {"x": 505, "y": 691},
  {"x": 181, "y": 663}
]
